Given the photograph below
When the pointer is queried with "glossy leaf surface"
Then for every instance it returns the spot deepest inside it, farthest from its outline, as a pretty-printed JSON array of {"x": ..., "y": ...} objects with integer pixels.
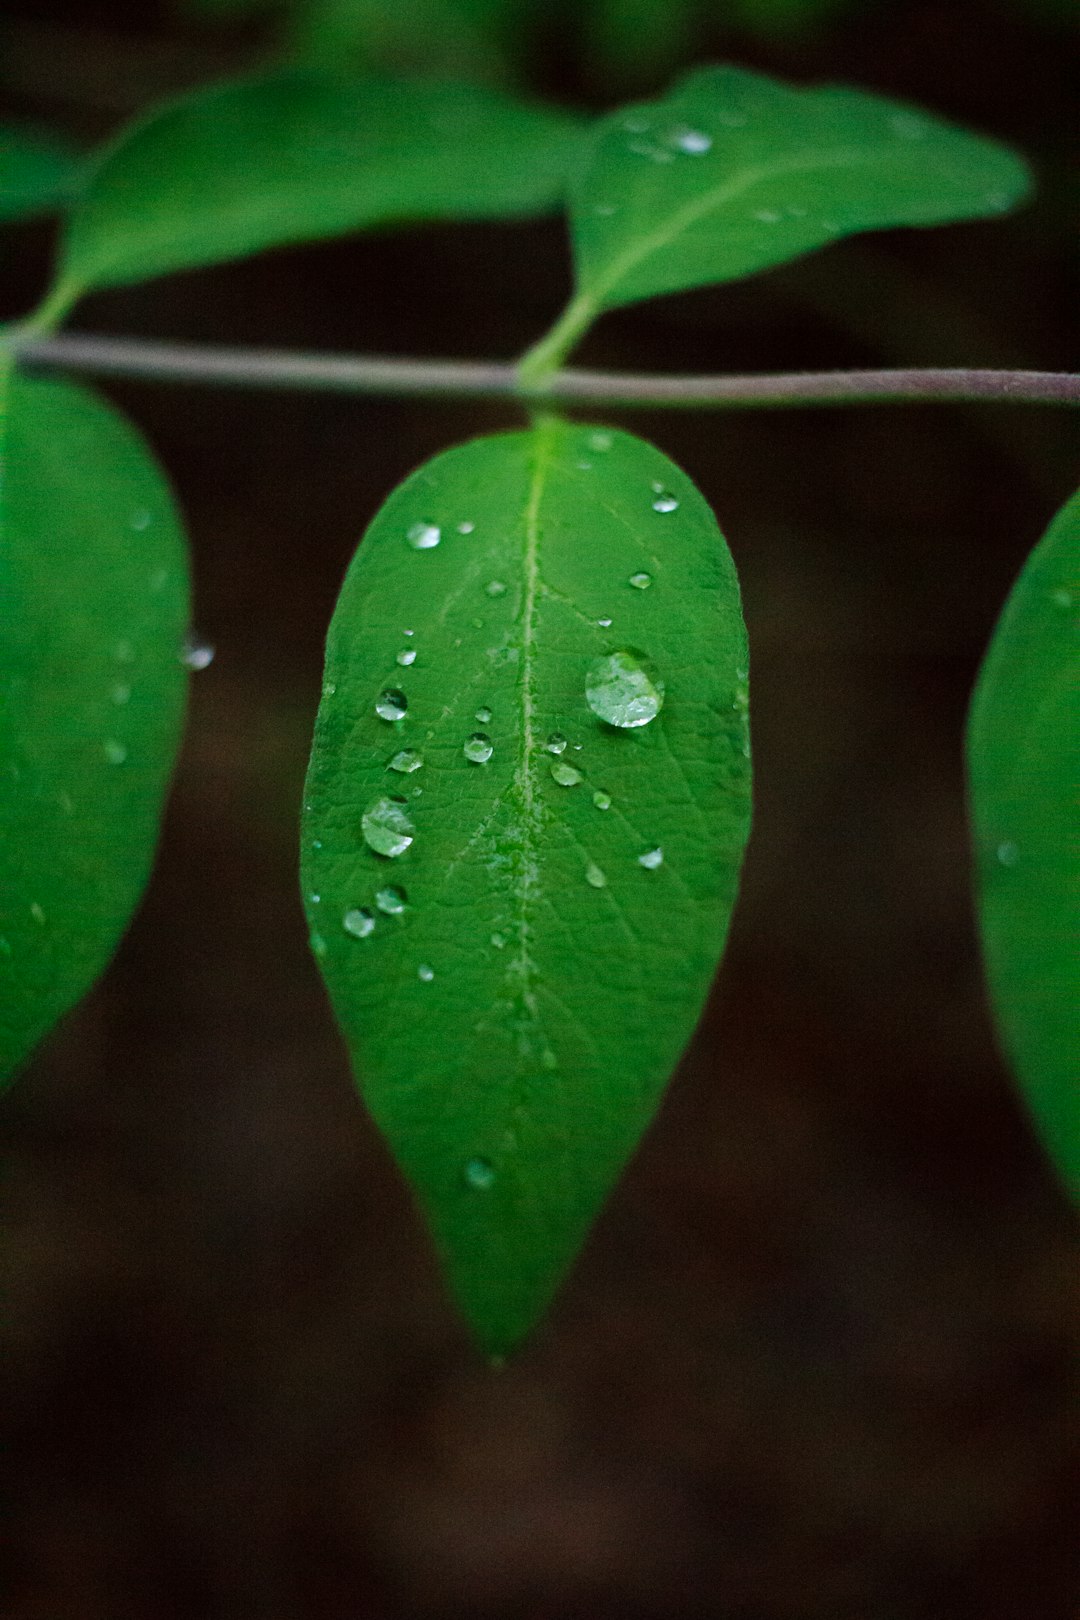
[
  {"x": 246, "y": 166},
  {"x": 733, "y": 172},
  {"x": 1024, "y": 764},
  {"x": 93, "y": 608},
  {"x": 37, "y": 172},
  {"x": 517, "y": 982}
]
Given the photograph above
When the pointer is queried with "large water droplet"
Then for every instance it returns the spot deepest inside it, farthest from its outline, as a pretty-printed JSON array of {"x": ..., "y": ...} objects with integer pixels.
[
  {"x": 479, "y": 1174},
  {"x": 620, "y": 689},
  {"x": 391, "y": 900},
  {"x": 115, "y": 752},
  {"x": 479, "y": 748},
  {"x": 651, "y": 859},
  {"x": 664, "y": 501},
  {"x": 556, "y": 743},
  {"x": 601, "y": 799},
  {"x": 694, "y": 142},
  {"x": 594, "y": 877},
  {"x": 406, "y": 760},
  {"x": 386, "y": 827},
  {"x": 359, "y": 922},
  {"x": 425, "y": 973},
  {"x": 196, "y": 654},
  {"x": 565, "y": 774},
  {"x": 483, "y": 714},
  {"x": 424, "y": 536},
  {"x": 391, "y": 704},
  {"x": 640, "y": 581},
  {"x": 406, "y": 656}
]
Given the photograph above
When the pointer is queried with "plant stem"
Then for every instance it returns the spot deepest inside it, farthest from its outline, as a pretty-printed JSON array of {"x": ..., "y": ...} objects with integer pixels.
[
  {"x": 542, "y": 362},
  {"x": 493, "y": 379}
]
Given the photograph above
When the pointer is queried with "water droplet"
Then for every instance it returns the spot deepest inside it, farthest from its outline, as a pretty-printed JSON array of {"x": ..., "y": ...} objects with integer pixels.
[
  {"x": 556, "y": 743},
  {"x": 907, "y": 126},
  {"x": 115, "y": 752},
  {"x": 651, "y": 859},
  {"x": 620, "y": 689},
  {"x": 196, "y": 653},
  {"x": 583, "y": 466},
  {"x": 664, "y": 501},
  {"x": 466, "y": 527},
  {"x": 406, "y": 656},
  {"x": 635, "y": 124},
  {"x": 316, "y": 843},
  {"x": 359, "y": 923},
  {"x": 479, "y": 748},
  {"x": 140, "y": 519},
  {"x": 594, "y": 877},
  {"x": 1008, "y": 853},
  {"x": 318, "y": 945},
  {"x": 767, "y": 216},
  {"x": 601, "y": 799},
  {"x": 386, "y": 827},
  {"x": 605, "y": 210},
  {"x": 548, "y": 1060},
  {"x": 391, "y": 900},
  {"x": 640, "y": 581},
  {"x": 329, "y": 688},
  {"x": 36, "y": 912},
  {"x": 406, "y": 760},
  {"x": 694, "y": 142},
  {"x": 391, "y": 704},
  {"x": 425, "y": 973},
  {"x": 604, "y": 623},
  {"x": 565, "y": 774},
  {"x": 408, "y": 632},
  {"x": 1062, "y": 598},
  {"x": 998, "y": 200},
  {"x": 483, "y": 714},
  {"x": 424, "y": 536},
  {"x": 315, "y": 899},
  {"x": 499, "y": 941},
  {"x": 159, "y": 579},
  {"x": 121, "y": 692},
  {"x": 124, "y": 652},
  {"x": 600, "y": 442},
  {"x": 479, "y": 1174},
  {"x": 495, "y": 587}
]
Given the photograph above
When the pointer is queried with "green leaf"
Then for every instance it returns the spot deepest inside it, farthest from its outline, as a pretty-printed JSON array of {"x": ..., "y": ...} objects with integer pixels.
[
  {"x": 37, "y": 172},
  {"x": 93, "y": 581},
  {"x": 515, "y": 1012},
  {"x": 242, "y": 167},
  {"x": 1024, "y": 766},
  {"x": 733, "y": 172}
]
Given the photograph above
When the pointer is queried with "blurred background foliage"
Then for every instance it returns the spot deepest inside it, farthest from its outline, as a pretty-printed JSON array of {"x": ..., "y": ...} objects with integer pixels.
[{"x": 818, "y": 1361}]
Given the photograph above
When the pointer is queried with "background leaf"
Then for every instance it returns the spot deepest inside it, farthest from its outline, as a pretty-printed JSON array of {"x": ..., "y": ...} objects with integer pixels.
[
  {"x": 513, "y": 1025},
  {"x": 93, "y": 586},
  {"x": 37, "y": 171},
  {"x": 242, "y": 167},
  {"x": 733, "y": 172},
  {"x": 1024, "y": 764}
]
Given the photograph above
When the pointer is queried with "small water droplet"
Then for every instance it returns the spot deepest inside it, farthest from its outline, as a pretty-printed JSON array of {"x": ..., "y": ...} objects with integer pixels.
[
  {"x": 423, "y": 536},
  {"x": 124, "y": 652},
  {"x": 640, "y": 581},
  {"x": 565, "y": 774},
  {"x": 600, "y": 441},
  {"x": 318, "y": 945},
  {"x": 391, "y": 900},
  {"x": 37, "y": 912},
  {"x": 466, "y": 527},
  {"x": 479, "y": 748},
  {"x": 601, "y": 799},
  {"x": 391, "y": 704},
  {"x": 604, "y": 623},
  {"x": 196, "y": 653},
  {"x": 316, "y": 843},
  {"x": 495, "y": 587},
  {"x": 425, "y": 973},
  {"x": 1062, "y": 598},
  {"x": 908, "y": 126},
  {"x": 140, "y": 519},
  {"x": 386, "y": 827},
  {"x": 548, "y": 1060},
  {"x": 159, "y": 579},
  {"x": 483, "y": 714},
  {"x": 1008, "y": 853},
  {"x": 315, "y": 899},
  {"x": 651, "y": 859},
  {"x": 359, "y": 922},
  {"x": 594, "y": 877},
  {"x": 115, "y": 752},
  {"x": 406, "y": 656},
  {"x": 583, "y": 466},
  {"x": 605, "y": 210},
  {"x": 408, "y": 632},
  {"x": 499, "y": 941},
  {"x": 121, "y": 692},
  {"x": 479, "y": 1174},
  {"x": 329, "y": 688},
  {"x": 767, "y": 216},
  {"x": 406, "y": 760},
  {"x": 556, "y": 743},
  {"x": 694, "y": 142},
  {"x": 621, "y": 689}
]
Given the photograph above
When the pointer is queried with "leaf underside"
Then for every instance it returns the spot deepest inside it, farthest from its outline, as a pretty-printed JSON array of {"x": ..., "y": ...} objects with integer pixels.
[
  {"x": 300, "y": 155},
  {"x": 93, "y": 608},
  {"x": 513, "y": 1027},
  {"x": 1024, "y": 767},
  {"x": 733, "y": 172}
]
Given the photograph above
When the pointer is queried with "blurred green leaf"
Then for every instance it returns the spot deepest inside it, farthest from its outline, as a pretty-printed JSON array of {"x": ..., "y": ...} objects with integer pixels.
[
  {"x": 37, "y": 172},
  {"x": 517, "y": 982},
  {"x": 637, "y": 42},
  {"x": 93, "y": 580},
  {"x": 732, "y": 172},
  {"x": 296, "y": 155},
  {"x": 1024, "y": 768},
  {"x": 778, "y": 17},
  {"x": 447, "y": 37}
]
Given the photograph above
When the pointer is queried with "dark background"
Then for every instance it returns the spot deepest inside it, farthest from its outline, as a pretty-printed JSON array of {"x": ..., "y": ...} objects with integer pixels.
[{"x": 815, "y": 1361}]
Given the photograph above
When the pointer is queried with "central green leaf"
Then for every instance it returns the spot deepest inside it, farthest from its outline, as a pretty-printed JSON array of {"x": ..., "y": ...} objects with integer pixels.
[{"x": 525, "y": 817}]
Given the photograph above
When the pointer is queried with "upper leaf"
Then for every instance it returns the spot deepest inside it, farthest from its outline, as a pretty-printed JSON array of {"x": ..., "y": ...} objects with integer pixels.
[
  {"x": 733, "y": 172},
  {"x": 37, "y": 172},
  {"x": 524, "y": 822},
  {"x": 1024, "y": 764},
  {"x": 93, "y": 587},
  {"x": 241, "y": 167}
]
